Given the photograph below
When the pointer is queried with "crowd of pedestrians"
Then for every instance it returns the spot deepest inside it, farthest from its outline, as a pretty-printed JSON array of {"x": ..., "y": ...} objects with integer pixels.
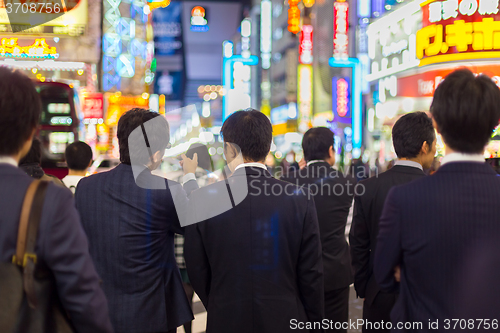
[{"x": 264, "y": 255}]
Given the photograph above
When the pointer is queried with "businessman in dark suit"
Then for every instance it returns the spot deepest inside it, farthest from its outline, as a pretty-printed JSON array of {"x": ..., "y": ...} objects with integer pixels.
[
  {"x": 414, "y": 141},
  {"x": 257, "y": 266},
  {"x": 431, "y": 226},
  {"x": 130, "y": 219},
  {"x": 61, "y": 244},
  {"x": 333, "y": 193}
]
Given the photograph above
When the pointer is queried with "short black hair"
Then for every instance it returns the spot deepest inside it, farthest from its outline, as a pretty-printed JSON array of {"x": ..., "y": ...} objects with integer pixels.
[
  {"x": 410, "y": 132},
  {"x": 133, "y": 119},
  {"x": 251, "y": 131},
  {"x": 316, "y": 143},
  {"x": 466, "y": 109},
  {"x": 78, "y": 156},
  {"x": 20, "y": 110},
  {"x": 34, "y": 155}
]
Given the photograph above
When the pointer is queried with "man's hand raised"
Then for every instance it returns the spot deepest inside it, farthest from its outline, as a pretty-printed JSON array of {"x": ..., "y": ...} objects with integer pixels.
[{"x": 189, "y": 165}]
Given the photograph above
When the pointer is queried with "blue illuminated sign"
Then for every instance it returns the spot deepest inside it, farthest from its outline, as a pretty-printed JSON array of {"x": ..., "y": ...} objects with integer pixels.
[
  {"x": 227, "y": 77},
  {"x": 357, "y": 114}
]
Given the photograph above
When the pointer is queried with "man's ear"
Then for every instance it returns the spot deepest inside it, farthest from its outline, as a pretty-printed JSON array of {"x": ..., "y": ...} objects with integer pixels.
[
  {"x": 425, "y": 148},
  {"x": 331, "y": 151},
  {"x": 231, "y": 150}
]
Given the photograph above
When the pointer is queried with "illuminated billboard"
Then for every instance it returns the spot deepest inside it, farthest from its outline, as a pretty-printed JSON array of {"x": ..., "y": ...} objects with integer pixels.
[
  {"x": 392, "y": 41},
  {"x": 458, "y": 30},
  {"x": 306, "y": 45},
  {"x": 305, "y": 96},
  {"x": 341, "y": 29},
  {"x": 341, "y": 100}
]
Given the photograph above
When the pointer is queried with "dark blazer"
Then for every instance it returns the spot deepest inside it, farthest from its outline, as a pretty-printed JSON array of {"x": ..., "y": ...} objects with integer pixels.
[
  {"x": 333, "y": 193},
  {"x": 364, "y": 229},
  {"x": 430, "y": 227},
  {"x": 131, "y": 232},
  {"x": 258, "y": 265},
  {"x": 61, "y": 246}
]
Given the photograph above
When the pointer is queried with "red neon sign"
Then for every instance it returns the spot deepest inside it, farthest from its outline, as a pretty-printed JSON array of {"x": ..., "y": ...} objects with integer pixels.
[
  {"x": 306, "y": 45},
  {"x": 92, "y": 105},
  {"x": 340, "y": 30}
]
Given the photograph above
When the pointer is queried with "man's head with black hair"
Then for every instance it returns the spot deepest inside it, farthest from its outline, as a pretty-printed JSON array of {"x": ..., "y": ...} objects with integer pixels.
[
  {"x": 317, "y": 144},
  {"x": 156, "y": 133},
  {"x": 78, "y": 156},
  {"x": 250, "y": 131},
  {"x": 20, "y": 110},
  {"x": 465, "y": 110},
  {"x": 414, "y": 138}
]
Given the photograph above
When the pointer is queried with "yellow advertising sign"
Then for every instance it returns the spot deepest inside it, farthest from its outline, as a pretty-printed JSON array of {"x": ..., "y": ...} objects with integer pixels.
[{"x": 458, "y": 30}]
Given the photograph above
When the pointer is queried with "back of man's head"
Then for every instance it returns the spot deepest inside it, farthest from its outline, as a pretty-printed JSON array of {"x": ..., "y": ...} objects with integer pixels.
[
  {"x": 410, "y": 132},
  {"x": 316, "y": 143},
  {"x": 251, "y": 131},
  {"x": 34, "y": 155},
  {"x": 156, "y": 133},
  {"x": 466, "y": 109},
  {"x": 78, "y": 156},
  {"x": 20, "y": 109}
]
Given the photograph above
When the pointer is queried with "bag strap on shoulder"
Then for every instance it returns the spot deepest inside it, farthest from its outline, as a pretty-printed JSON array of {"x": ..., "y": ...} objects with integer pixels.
[{"x": 25, "y": 256}]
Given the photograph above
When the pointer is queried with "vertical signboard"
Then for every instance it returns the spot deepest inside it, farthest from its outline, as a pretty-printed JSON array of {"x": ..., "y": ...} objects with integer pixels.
[
  {"x": 306, "y": 45},
  {"x": 168, "y": 30},
  {"x": 341, "y": 29},
  {"x": 341, "y": 100},
  {"x": 305, "y": 96}
]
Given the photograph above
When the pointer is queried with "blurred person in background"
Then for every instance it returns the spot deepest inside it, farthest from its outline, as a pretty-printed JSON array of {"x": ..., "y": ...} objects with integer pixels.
[
  {"x": 414, "y": 141},
  {"x": 61, "y": 245},
  {"x": 31, "y": 164},
  {"x": 431, "y": 226},
  {"x": 130, "y": 219},
  {"x": 79, "y": 158},
  {"x": 332, "y": 198}
]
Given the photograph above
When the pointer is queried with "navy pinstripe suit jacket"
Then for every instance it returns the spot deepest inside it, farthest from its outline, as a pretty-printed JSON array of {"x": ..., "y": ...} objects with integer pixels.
[
  {"x": 131, "y": 237},
  {"x": 429, "y": 227},
  {"x": 61, "y": 246}
]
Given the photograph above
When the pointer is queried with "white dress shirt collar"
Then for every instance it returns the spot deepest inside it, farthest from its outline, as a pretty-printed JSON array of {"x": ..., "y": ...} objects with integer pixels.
[
  {"x": 251, "y": 164},
  {"x": 8, "y": 160},
  {"x": 461, "y": 157},
  {"x": 409, "y": 164},
  {"x": 315, "y": 161}
]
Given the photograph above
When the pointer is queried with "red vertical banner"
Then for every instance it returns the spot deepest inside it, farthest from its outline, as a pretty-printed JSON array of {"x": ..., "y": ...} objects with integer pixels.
[
  {"x": 341, "y": 29},
  {"x": 306, "y": 45}
]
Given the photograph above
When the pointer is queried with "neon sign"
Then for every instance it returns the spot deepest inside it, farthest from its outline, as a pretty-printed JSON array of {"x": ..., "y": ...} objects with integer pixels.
[
  {"x": 39, "y": 49},
  {"x": 305, "y": 96},
  {"x": 458, "y": 30},
  {"x": 199, "y": 21},
  {"x": 355, "y": 117},
  {"x": 306, "y": 45},
  {"x": 293, "y": 17},
  {"x": 340, "y": 30},
  {"x": 341, "y": 100},
  {"x": 342, "y": 88}
]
